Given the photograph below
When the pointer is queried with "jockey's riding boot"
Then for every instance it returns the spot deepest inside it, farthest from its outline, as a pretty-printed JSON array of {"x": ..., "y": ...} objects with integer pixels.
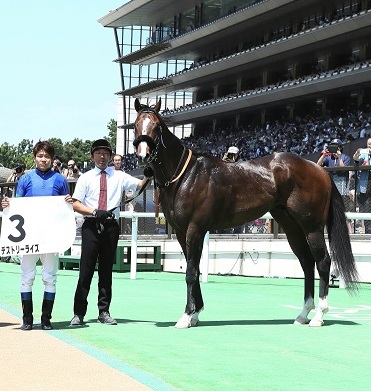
[
  {"x": 27, "y": 307},
  {"x": 46, "y": 310}
]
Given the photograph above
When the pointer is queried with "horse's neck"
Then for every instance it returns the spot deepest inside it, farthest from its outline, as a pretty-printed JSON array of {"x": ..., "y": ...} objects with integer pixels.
[{"x": 170, "y": 157}]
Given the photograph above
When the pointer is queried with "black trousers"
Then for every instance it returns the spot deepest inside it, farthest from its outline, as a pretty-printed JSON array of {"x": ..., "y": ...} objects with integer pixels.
[{"x": 96, "y": 246}]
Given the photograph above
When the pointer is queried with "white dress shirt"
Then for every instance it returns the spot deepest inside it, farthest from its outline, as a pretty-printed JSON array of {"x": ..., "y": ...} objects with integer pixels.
[{"x": 88, "y": 187}]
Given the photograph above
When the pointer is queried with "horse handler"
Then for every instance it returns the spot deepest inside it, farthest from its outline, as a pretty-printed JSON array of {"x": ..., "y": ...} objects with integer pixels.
[{"x": 98, "y": 196}]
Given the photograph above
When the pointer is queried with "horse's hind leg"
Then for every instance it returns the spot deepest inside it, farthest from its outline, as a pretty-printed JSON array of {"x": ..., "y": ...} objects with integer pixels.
[
  {"x": 192, "y": 248},
  {"x": 299, "y": 245},
  {"x": 308, "y": 269},
  {"x": 318, "y": 247}
]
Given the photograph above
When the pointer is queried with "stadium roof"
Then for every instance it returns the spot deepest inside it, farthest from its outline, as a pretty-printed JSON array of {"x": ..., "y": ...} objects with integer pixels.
[{"x": 145, "y": 12}]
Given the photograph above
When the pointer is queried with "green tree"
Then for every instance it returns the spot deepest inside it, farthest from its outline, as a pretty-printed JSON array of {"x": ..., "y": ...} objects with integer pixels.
[
  {"x": 58, "y": 147},
  {"x": 79, "y": 151},
  {"x": 24, "y": 153},
  {"x": 7, "y": 155},
  {"x": 112, "y": 133}
]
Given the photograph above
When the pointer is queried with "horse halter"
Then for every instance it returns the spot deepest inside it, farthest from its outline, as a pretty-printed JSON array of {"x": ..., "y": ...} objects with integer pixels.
[
  {"x": 153, "y": 144},
  {"x": 154, "y": 147}
]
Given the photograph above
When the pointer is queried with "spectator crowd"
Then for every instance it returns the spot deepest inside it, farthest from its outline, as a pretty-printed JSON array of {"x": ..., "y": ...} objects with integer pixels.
[{"x": 301, "y": 135}]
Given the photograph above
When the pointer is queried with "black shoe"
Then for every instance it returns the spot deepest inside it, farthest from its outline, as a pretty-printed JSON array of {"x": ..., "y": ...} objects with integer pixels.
[
  {"x": 77, "y": 320},
  {"x": 46, "y": 325},
  {"x": 105, "y": 318},
  {"x": 26, "y": 327}
]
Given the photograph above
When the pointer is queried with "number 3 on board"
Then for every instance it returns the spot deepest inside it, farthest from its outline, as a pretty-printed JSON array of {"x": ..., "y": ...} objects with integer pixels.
[{"x": 19, "y": 228}]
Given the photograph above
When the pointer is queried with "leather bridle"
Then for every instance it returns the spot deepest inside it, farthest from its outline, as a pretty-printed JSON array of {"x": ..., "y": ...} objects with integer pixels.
[
  {"x": 154, "y": 148},
  {"x": 152, "y": 144}
]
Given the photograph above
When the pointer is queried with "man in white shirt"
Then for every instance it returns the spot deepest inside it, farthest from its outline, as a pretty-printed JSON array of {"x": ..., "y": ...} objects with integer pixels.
[{"x": 100, "y": 230}]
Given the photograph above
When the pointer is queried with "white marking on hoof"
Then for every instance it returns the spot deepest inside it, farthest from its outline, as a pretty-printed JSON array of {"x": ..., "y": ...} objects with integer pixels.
[
  {"x": 184, "y": 322},
  {"x": 322, "y": 309},
  {"x": 315, "y": 322},
  {"x": 187, "y": 321}
]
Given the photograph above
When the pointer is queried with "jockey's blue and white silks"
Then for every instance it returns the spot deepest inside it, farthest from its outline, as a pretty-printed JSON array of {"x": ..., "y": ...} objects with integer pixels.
[{"x": 37, "y": 183}]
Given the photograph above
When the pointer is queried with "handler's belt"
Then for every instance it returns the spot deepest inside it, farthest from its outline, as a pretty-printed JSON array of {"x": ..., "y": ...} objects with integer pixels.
[
  {"x": 100, "y": 224},
  {"x": 91, "y": 218}
]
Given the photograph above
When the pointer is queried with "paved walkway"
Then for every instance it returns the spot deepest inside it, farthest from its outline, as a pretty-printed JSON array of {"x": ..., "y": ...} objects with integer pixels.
[{"x": 37, "y": 360}]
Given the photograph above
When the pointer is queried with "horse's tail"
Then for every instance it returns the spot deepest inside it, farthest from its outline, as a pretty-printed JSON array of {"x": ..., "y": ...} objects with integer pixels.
[{"x": 338, "y": 236}]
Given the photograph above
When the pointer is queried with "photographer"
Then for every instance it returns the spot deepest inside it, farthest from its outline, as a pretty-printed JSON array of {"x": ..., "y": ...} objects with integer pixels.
[
  {"x": 57, "y": 164},
  {"x": 18, "y": 171},
  {"x": 72, "y": 171},
  {"x": 232, "y": 155},
  {"x": 362, "y": 157},
  {"x": 333, "y": 156}
]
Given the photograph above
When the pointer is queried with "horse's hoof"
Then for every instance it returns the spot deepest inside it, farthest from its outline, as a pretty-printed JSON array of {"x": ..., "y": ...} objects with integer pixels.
[
  {"x": 184, "y": 322},
  {"x": 316, "y": 322},
  {"x": 300, "y": 320},
  {"x": 194, "y": 319},
  {"x": 187, "y": 321}
]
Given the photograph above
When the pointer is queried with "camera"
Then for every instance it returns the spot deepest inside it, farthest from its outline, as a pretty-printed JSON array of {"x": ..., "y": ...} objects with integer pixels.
[
  {"x": 75, "y": 170},
  {"x": 332, "y": 148},
  {"x": 230, "y": 156},
  {"x": 18, "y": 169}
]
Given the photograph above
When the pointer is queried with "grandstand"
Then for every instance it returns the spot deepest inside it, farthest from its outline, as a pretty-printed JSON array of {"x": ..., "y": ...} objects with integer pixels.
[{"x": 223, "y": 64}]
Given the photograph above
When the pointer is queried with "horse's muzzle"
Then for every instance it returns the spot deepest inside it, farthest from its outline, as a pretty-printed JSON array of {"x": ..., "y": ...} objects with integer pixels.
[
  {"x": 144, "y": 146},
  {"x": 142, "y": 161}
]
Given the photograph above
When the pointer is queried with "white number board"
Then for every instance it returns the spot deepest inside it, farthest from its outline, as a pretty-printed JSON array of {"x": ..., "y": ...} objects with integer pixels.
[{"x": 32, "y": 225}]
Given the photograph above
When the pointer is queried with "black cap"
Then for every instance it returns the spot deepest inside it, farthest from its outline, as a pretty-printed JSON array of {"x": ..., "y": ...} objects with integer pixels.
[
  {"x": 101, "y": 143},
  {"x": 337, "y": 141}
]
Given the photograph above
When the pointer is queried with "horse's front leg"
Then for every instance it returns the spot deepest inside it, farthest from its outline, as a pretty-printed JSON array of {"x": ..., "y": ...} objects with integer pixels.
[{"x": 193, "y": 251}]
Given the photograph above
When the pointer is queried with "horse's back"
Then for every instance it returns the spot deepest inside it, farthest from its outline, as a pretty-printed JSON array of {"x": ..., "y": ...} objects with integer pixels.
[{"x": 228, "y": 194}]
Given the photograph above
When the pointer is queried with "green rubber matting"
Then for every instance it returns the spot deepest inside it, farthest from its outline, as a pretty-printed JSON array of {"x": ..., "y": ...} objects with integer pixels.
[{"x": 245, "y": 339}]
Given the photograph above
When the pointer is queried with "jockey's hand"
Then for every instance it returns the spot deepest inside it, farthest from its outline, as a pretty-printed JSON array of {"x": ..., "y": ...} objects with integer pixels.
[
  {"x": 5, "y": 202},
  {"x": 68, "y": 199}
]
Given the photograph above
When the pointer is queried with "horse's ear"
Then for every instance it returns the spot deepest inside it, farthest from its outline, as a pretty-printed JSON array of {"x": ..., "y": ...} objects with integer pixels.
[
  {"x": 137, "y": 105},
  {"x": 158, "y": 105}
]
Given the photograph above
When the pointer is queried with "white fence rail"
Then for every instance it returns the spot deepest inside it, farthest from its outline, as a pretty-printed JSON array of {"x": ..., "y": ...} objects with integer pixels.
[{"x": 134, "y": 216}]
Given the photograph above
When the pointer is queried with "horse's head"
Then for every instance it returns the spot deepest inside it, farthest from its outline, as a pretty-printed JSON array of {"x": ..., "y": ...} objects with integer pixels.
[{"x": 147, "y": 130}]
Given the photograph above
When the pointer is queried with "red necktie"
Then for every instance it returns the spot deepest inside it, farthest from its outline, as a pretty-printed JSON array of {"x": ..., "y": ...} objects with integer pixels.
[{"x": 102, "y": 202}]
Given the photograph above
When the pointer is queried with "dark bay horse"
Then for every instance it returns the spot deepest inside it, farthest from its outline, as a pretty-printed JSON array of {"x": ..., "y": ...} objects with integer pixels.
[{"x": 200, "y": 193}]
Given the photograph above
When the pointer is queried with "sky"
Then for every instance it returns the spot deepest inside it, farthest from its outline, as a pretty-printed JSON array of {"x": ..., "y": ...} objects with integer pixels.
[{"x": 57, "y": 75}]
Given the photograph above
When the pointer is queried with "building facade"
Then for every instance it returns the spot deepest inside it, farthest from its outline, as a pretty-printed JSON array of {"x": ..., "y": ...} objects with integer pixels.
[{"x": 223, "y": 64}]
